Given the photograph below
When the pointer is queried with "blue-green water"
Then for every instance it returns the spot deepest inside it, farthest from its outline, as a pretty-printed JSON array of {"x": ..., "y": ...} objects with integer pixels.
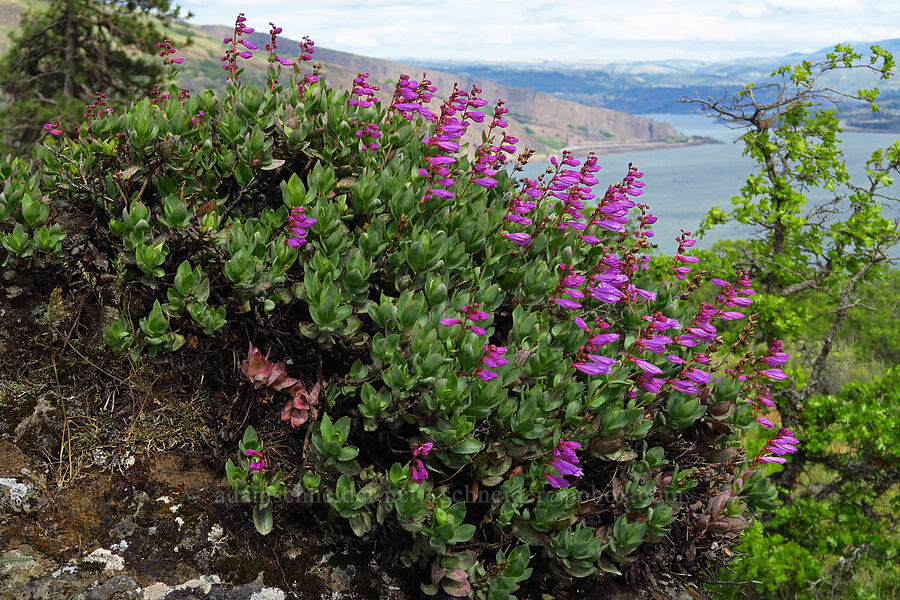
[{"x": 682, "y": 184}]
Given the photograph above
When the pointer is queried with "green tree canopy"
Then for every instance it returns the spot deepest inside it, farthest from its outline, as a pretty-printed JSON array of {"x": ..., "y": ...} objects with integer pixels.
[
  {"x": 65, "y": 52},
  {"x": 820, "y": 263}
]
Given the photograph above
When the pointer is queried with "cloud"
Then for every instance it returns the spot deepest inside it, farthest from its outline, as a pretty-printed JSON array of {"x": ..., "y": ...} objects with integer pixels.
[
  {"x": 571, "y": 30},
  {"x": 829, "y": 7}
]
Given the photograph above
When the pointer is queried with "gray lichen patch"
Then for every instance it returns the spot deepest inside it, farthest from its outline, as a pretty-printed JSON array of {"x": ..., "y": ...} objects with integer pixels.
[{"x": 19, "y": 495}]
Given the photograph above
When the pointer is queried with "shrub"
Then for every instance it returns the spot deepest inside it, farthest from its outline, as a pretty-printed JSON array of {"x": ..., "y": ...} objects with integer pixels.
[{"x": 479, "y": 361}]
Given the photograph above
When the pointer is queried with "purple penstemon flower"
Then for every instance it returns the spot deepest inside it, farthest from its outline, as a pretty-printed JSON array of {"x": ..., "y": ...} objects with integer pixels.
[
  {"x": 485, "y": 182},
  {"x": 778, "y": 359},
  {"x": 645, "y": 366},
  {"x": 485, "y": 374},
  {"x": 774, "y": 356},
  {"x": 471, "y": 313},
  {"x": 368, "y": 135},
  {"x": 605, "y": 293},
  {"x": 731, "y": 315},
  {"x": 54, "y": 128},
  {"x": 601, "y": 339},
  {"x": 514, "y": 218},
  {"x": 650, "y": 383},
  {"x": 684, "y": 242},
  {"x": 768, "y": 424},
  {"x": 257, "y": 462},
  {"x": 697, "y": 376},
  {"x": 656, "y": 343},
  {"x": 298, "y": 224},
  {"x": 772, "y": 459},
  {"x": 492, "y": 359},
  {"x": 784, "y": 443},
  {"x": 419, "y": 472},
  {"x": 660, "y": 322},
  {"x": 563, "y": 462},
  {"x": 776, "y": 374},
  {"x": 597, "y": 365},
  {"x": 493, "y": 356},
  {"x": 517, "y": 238},
  {"x": 683, "y": 386},
  {"x": 566, "y": 303},
  {"x": 645, "y": 294}
]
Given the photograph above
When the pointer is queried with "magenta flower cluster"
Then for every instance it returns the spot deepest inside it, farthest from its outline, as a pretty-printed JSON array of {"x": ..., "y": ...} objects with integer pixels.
[
  {"x": 588, "y": 361},
  {"x": 679, "y": 263},
  {"x": 491, "y": 359},
  {"x": 609, "y": 281},
  {"x": 97, "y": 108},
  {"x": 419, "y": 472},
  {"x": 522, "y": 204},
  {"x": 411, "y": 97},
  {"x": 457, "y": 113},
  {"x": 570, "y": 189},
  {"x": 306, "y": 51},
  {"x": 488, "y": 156},
  {"x": 368, "y": 135},
  {"x": 298, "y": 225},
  {"x": 257, "y": 462},
  {"x": 563, "y": 462},
  {"x": 167, "y": 49},
  {"x": 471, "y": 313},
  {"x": 784, "y": 443},
  {"x": 272, "y": 46},
  {"x": 54, "y": 128},
  {"x": 231, "y": 54},
  {"x": 363, "y": 92},
  {"x": 443, "y": 143}
]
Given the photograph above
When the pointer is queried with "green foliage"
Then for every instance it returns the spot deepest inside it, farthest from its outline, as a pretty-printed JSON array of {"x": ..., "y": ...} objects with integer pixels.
[
  {"x": 841, "y": 528},
  {"x": 449, "y": 361},
  {"x": 805, "y": 248},
  {"x": 880, "y": 303},
  {"x": 253, "y": 483},
  {"x": 823, "y": 265}
]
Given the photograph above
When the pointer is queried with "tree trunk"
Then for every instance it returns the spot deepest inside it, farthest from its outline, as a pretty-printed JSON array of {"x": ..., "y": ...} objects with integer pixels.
[{"x": 68, "y": 82}]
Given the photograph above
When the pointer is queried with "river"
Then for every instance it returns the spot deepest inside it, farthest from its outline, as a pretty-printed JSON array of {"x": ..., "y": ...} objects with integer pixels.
[{"x": 683, "y": 183}]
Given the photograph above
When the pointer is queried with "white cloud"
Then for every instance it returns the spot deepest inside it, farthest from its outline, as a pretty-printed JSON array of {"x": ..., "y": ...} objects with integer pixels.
[
  {"x": 832, "y": 7},
  {"x": 567, "y": 30}
]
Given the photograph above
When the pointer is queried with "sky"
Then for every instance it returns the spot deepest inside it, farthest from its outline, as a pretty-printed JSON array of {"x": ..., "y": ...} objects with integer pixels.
[{"x": 565, "y": 30}]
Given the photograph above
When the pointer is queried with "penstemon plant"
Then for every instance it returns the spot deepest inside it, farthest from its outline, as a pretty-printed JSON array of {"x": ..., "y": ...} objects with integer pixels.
[
  {"x": 551, "y": 403},
  {"x": 253, "y": 482}
]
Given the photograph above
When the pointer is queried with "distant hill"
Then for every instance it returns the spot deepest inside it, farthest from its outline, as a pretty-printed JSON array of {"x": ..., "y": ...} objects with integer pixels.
[
  {"x": 542, "y": 121},
  {"x": 655, "y": 86}
]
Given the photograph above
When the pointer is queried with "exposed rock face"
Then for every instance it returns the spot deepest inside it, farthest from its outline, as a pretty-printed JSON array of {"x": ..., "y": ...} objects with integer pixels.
[{"x": 117, "y": 537}]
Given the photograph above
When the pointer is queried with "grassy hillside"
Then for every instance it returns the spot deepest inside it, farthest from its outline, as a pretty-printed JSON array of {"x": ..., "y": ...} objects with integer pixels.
[{"x": 542, "y": 121}]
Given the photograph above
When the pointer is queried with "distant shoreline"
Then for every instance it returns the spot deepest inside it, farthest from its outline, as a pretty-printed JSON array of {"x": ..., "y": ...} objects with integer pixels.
[
  {"x": 636, "y": 146},
  {"x": 891, "y": 128}
]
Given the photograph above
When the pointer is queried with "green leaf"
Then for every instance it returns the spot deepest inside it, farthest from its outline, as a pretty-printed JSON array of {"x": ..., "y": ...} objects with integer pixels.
[
  {"x": 262, "y": 519},
  {"x": 467, "y": 446}
]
